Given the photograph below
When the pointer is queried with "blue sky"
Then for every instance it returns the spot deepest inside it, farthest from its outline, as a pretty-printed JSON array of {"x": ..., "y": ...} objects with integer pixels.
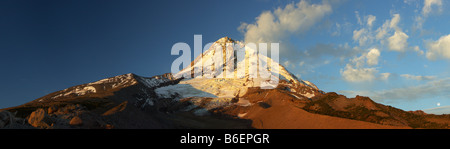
[{"x": 395, "y": 51}]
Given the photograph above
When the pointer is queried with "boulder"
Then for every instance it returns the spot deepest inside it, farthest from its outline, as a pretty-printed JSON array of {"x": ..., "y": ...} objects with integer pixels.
[
  {"x": 76, "y": 121},
  {"x": 40, "y": 119}
]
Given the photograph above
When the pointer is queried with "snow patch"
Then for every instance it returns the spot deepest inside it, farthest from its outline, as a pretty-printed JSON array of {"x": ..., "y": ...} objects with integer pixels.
[
  {"x": 201, "y": 87},
  {"x": 104, "y": 84},
  {"x": 310, "y": 84},
  {"x": 296, "y": 96},
  {"x": 89, "y": 89},
  {"x": 181, "y": 91},
  {"x": 309, "y": 95},
  {"x": 78, "y": 91},
  {"x": 117, "y": 81}
]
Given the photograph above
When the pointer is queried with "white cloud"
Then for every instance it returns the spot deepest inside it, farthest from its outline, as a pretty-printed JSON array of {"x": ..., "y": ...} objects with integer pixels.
[
  {"x": 419, "y": 78},
  {"x": 384, "y": 76},
  {"x": 359, "y": 61},
  {"x": 276, "y": 26},
  {"x": 361, "y": 36},
  {"x": 428, "y": 4},
  {"x": 364, "y": 35},
  {"x": 355, "y": 74},
  {"x": 370, "y": 20},
  {"x": 357, "y": 33},
  {"x": 417, "y": 49},
  {"x": 394, "y": 21},
  {"x": 356, "y": 70},
  {"x": 439, "y": 49},
  {"x": 398, "y": 41},
  {"x": 383, "y": 30},
  {"x": 372, "y": 57}
]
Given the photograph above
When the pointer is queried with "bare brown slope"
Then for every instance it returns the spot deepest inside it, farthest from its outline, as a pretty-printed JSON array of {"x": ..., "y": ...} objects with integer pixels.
[
  {"x": 283, "y": 115},
  {"x": 281, "y": 109},
  {"x": 364, "y": 109}
]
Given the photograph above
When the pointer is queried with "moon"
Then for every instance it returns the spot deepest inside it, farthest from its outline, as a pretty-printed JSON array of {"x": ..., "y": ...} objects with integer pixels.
[{"x": 438, "y": 104}]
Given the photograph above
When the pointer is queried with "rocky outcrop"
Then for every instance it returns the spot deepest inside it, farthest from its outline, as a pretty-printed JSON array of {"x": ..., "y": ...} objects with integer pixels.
[
  {"x": 40, "y": 119},
  {"x": 62, "y": 117},
  {"x": 76, "y": 121}
]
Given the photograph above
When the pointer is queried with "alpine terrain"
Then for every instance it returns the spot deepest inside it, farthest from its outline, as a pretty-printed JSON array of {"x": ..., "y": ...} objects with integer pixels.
[{"x": 209, "y": 98}]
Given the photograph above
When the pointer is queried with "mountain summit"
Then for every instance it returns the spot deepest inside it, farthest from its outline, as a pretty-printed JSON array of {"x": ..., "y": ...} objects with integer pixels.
[
  {"x": 216, "y": 91},
  {"x": 230, "y": 76}
]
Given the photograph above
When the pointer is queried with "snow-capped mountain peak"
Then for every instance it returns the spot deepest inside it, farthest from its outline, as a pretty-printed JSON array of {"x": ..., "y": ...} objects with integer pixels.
[{"x": 231, "y": 66}]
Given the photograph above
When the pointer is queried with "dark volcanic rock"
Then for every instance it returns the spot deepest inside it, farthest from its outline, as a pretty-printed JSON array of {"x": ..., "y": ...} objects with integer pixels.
[{"x": 5, "y": 118}]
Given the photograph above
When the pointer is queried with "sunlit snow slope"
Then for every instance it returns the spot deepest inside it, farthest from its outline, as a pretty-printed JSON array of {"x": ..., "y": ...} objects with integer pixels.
[{"x": 228, "y": 68}]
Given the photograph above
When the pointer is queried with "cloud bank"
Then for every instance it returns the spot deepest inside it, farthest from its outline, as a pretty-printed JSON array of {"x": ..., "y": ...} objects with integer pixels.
[
  {"x": 439, "y": 49},
  {"x": 434, "y": 88},
  {"x": 418, "y": 78},
  {"x": 278, "y": 25},
  {"x": 438, "y": 110},
  {"x": 357, "y": 70}
]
